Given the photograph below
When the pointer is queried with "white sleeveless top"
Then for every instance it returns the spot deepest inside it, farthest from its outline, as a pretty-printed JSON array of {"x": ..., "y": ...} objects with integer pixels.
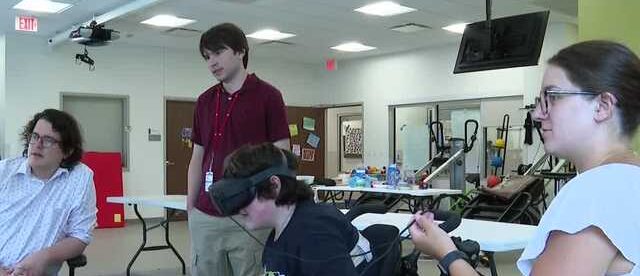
[{"x": 607, "y": 197}]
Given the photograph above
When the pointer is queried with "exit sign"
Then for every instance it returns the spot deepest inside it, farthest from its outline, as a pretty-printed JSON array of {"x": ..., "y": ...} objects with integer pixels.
[{"x": 26, "y": 23}]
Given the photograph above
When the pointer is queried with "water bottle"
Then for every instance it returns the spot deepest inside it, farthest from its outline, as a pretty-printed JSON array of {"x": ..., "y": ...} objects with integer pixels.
[
  {"x": 393, "y": 176},
  {"x": 359, "y": 179}
]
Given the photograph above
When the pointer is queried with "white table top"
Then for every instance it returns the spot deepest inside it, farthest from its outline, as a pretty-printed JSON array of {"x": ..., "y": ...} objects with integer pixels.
[
  {"x": 411, "y": 192},
  {"x": 492, "y": 236},
  {"x": 178, "y": 202}
]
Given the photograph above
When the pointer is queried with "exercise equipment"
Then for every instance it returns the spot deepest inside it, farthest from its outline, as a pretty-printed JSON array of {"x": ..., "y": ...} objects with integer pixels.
[
  {"x": 497, "y": 161},
  {"x": 449, "y": 156},
  {"x": 493, "y": 181}
]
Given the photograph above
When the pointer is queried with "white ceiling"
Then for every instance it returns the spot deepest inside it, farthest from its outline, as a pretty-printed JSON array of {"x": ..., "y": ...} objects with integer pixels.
[{"x": 319, "y": 24}]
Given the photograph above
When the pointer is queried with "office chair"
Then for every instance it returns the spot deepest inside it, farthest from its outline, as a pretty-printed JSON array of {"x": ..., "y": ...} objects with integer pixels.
[{"x": 78, "y": 261}]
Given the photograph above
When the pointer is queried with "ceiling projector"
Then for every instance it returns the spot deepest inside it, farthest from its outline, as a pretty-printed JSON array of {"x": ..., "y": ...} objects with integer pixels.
[{"x": 93, "y": 35}]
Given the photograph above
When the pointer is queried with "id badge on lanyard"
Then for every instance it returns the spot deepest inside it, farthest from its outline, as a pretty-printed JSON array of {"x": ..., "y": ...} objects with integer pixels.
[
  {"x": 218, "y": 133},
  {"x": 208, "y": 177}
]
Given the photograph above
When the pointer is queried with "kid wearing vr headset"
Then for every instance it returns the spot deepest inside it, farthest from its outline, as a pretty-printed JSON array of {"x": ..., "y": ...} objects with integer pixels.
[{"x": 259, "y": 185}]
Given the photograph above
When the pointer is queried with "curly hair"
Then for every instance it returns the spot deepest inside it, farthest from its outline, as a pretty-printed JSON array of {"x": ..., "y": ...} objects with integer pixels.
[{"x": 67, "y": 127}]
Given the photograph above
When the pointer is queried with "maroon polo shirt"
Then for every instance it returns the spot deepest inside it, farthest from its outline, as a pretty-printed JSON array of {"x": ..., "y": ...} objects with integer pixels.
[{"x": 258, "y": 115}]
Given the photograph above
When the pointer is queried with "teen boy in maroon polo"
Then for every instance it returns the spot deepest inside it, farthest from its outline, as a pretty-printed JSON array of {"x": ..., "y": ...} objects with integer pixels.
[{"x": 241, "y": 109}]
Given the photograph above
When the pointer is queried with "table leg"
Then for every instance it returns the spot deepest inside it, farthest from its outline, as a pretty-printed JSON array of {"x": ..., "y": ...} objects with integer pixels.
[
  {"x": 166, "y": 238},
  {"x": 395, "y": 201},
  {"x": 144, "y": 239},
  {"x": 143, "y": 247},
  {"x": 492, "y": 263}
]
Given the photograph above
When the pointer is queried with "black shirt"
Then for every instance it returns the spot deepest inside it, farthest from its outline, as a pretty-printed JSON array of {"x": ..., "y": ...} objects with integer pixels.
[{"x": 317, "y": 233}]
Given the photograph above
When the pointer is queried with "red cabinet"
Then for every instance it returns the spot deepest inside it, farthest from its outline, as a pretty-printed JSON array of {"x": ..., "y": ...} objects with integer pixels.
[{"x": 107, "y": 177}]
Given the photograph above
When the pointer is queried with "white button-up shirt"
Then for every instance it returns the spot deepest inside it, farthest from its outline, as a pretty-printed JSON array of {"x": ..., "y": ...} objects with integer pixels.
[{"x": 36, "y": 214}]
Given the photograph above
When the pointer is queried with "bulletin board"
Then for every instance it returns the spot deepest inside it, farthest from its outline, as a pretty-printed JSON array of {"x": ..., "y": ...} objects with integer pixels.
[{"x": 307, "y": 129}]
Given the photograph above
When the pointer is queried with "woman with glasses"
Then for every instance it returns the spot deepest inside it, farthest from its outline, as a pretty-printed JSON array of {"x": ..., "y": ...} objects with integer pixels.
[{"x": 589, "y": 109}]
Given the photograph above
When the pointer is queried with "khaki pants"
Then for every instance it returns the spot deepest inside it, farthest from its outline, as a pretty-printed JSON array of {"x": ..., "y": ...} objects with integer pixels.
[{"x": 219, "y": 247}]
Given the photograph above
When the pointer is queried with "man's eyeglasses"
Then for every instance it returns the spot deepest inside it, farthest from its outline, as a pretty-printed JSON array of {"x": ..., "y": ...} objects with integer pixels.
[
  {"x": 47, "y": 141},
  {"x": 550, "y": 95}
]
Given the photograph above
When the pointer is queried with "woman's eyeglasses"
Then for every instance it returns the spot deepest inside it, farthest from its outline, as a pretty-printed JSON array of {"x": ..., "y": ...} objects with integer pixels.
[{"x": 550, "y": 95}]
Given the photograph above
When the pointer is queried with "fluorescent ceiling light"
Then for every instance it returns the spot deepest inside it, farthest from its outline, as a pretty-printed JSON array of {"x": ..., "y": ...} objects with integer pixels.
[
  {"x": 353, "y": 47},
  {"x": 165, "y": 20},
  {"x": 270, "y": 34},
  {"x": 384, "y": 8},
  {"x": 456, "y": 28},
  {"x": 42, "y": 6}
]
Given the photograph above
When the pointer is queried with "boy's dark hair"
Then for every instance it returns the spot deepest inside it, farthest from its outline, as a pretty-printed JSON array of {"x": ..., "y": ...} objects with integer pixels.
[
  {"x": 222, "y": 36},
  {"x": 66, "y": 126},
  {"x": 249, "y": 160}
]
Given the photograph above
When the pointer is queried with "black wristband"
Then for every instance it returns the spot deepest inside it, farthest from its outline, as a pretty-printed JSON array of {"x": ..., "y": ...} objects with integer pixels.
[{"x": 452, "y": 256}]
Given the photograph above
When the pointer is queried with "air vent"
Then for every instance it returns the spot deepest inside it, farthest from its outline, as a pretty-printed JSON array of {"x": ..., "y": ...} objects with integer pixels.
[
  {"x": 276, "y": 43},
  {"x": 410, "y": 28},
  {"x": 182, "y": 32}
]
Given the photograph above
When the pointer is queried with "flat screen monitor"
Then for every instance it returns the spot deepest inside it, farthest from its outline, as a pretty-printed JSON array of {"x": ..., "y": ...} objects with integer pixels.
[{"x": 508, "y": 42}]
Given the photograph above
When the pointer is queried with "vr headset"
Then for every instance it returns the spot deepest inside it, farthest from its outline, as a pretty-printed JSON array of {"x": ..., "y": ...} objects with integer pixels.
[{"x": 232, "y": 194}]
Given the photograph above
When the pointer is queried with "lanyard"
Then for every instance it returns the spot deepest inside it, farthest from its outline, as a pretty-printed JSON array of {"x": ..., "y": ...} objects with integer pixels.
[{"x": 220, "y": 122}]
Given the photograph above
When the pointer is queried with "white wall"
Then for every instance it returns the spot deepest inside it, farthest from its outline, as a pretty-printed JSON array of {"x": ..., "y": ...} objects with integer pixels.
[
  {"x": 425, "y": 76},
  {"x": 37, "y": 74},
  {"x": 333, "y": 143}
]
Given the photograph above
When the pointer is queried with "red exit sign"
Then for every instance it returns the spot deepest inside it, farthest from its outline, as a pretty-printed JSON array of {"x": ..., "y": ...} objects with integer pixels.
[{"x": 26, "y": 23}]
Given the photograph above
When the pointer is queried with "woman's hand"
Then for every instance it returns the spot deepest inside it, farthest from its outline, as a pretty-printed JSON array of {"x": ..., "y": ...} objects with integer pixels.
[{"x": 429, "y": 238}]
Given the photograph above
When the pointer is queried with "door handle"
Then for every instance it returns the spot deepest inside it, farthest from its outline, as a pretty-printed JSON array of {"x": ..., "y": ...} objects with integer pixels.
[{"x": 169, "y": 163}]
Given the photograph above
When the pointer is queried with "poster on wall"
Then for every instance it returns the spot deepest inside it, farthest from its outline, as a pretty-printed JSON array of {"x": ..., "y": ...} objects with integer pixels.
[
  {"x": 185, "y": 136},
  {"x": 293, "y": 130},
  {"x": 295, "y": 148},
  {"x": 308, "y": 155},
  {"x": 313, "y": 140},
  {"x": 309, "y": 123},
  {"x": 352, "y": 142}
]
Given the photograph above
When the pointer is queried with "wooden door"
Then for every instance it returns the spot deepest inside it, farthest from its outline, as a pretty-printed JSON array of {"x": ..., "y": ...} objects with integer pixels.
[
  {"x": 178, "y": 146},
  {"x": 311, "y": 152}
]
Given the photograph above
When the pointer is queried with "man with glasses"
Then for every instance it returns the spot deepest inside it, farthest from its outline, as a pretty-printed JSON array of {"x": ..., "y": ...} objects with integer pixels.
[{"x": 47, "y": 198}]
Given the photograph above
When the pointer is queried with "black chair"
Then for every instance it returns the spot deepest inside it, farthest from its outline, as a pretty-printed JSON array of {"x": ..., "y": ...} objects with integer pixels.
[
  {"x": 381, "y": 239},
  {"x": 386, "y": 253},
  {"x": 76, "y": 262},
  {"x": 522, "y": 208}
]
